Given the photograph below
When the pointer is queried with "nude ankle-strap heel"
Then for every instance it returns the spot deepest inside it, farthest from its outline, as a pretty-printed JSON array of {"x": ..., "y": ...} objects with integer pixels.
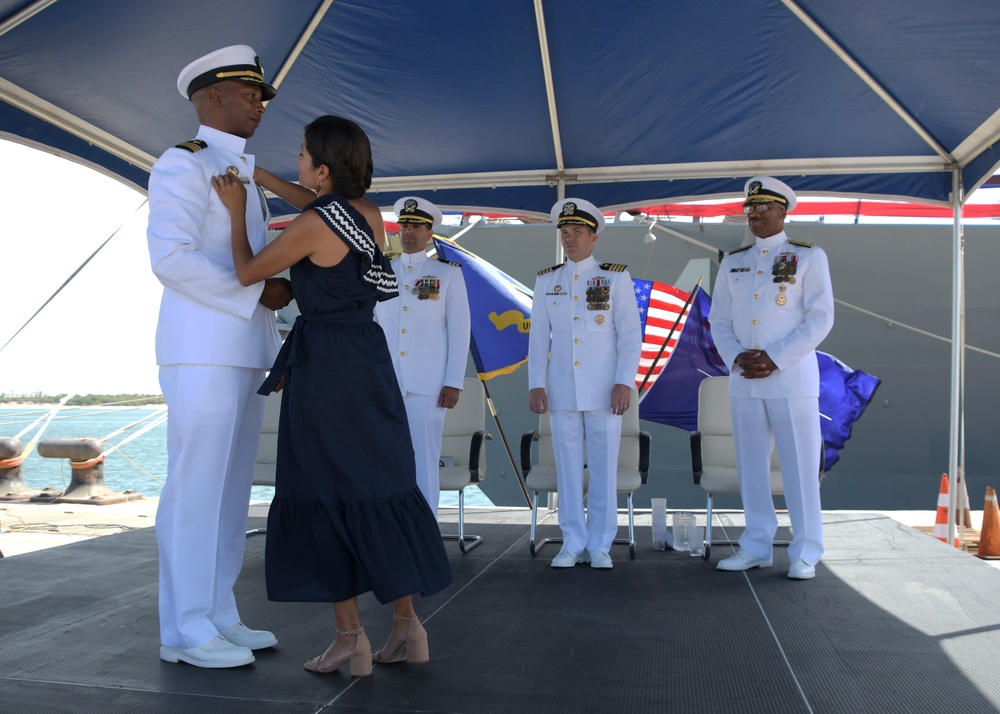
[
  {"x": 361, "y": 660},
  {"x": 361, "y": 657},
  {"x": 414, "y": 649}
]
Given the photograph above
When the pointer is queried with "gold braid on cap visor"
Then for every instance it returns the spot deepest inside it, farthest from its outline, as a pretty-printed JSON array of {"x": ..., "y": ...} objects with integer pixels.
[
  {"x": 242, "y": 73},
  {"x": 577, "y": 219},
  {"x": 761, "y": 197}
]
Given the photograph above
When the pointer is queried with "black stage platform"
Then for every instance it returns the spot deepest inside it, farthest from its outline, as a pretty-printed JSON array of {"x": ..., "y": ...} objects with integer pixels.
[{"x": 894, "y": 622}]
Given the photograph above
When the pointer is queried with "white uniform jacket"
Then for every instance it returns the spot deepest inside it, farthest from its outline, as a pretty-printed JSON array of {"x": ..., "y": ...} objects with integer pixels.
[
  {"x": 206, "y": 316},
  {"x": 578, "y": 349},
  {"x": 428, "y": 338},
  {"x": 774, "y": 296}
]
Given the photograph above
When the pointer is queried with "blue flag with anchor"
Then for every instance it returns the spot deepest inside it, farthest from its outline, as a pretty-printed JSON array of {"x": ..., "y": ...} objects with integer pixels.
[{"x": 500, "y": 308}]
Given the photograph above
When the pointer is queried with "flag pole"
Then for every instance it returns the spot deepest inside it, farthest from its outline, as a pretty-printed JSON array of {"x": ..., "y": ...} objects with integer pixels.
[
  {"x": 503, "y": 438},
  {"x": 673, "y": 328}
]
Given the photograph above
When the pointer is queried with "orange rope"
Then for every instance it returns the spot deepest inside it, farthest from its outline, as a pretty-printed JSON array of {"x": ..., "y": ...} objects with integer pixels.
[
  {"x": 86, "y": 464},
  {"x": 11, "y": 463}
]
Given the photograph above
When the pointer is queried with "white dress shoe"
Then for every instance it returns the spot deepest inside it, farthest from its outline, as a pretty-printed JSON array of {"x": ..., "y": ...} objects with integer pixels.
[
  {"x": 567, "y": 559},
  {"x": 240, "y": 634},
  {"x": 743, "y": 560},
  {"x": 599, "y": 560},
  {"x": 801, "y": 570},
  {"x": 217, "y": 653}
]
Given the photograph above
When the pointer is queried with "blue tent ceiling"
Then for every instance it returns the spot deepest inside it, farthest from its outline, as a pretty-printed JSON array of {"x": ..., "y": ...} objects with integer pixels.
[{"x": 492, "y": 103}]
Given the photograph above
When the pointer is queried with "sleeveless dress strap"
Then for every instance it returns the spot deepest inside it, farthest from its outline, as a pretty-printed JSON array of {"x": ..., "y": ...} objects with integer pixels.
[{"x": 344, "y": 220}]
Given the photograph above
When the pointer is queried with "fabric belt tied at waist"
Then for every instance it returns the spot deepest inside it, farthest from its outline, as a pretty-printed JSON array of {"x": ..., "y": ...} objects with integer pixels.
[{"x": 292, "y": 351}]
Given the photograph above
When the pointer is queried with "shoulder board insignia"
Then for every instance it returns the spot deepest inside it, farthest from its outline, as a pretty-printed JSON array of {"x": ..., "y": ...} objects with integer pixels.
[
  {"x": 740, "y": 250},
  {"x": 802, "y": 243},
  {"x": 193, "y": 146},
  {"x": 449, "y": 262},
  {"x": 613, "y": 267},
  {"x": 549, "y": 270}
]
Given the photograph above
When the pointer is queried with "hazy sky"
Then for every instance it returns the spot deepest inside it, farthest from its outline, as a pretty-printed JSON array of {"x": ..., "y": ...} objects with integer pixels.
[{"x": 96, "y": 336}]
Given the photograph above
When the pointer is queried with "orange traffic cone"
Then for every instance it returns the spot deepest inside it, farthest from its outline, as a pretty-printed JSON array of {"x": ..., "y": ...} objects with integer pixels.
[
  {"x": 989, "y": 538},
  {"x": 963, "y": 513},
  {"x": 941, "y": 520}
]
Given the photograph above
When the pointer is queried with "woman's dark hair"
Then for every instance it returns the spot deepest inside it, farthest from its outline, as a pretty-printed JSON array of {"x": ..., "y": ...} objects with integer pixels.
[{"x": 344, "y": 147}]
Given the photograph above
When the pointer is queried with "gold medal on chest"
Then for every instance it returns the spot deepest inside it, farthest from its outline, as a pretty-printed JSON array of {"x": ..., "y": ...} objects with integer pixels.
[
  {"x": 236, "y": 172},
  {"x": 599, "y": 319},
  {"x": 781, "y": 299}
]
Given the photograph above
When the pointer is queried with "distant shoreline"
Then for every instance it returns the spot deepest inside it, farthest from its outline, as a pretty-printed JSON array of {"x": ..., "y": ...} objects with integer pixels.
[{"x": 49, "y": 405}]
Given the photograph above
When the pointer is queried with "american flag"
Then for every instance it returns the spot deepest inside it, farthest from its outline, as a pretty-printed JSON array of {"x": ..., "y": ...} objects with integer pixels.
[{"x": 660, "y": 306}]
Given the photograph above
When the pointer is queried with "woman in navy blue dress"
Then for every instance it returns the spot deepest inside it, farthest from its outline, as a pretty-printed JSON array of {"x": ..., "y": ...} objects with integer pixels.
[{"x": 347, "y": 515}]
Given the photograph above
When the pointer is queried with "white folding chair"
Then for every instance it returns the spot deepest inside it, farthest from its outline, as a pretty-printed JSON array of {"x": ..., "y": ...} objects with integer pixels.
[
  {"x": 633, "y": 469},
  {"x": 463, "y": 448},
  {"x": 713, "y": 455},
  {"x": 267, "y": 451}
]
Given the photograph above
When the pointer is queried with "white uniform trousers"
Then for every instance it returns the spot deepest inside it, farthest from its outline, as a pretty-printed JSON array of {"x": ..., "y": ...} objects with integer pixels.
[
  {"x": 212, "y": 437},
  {"x": 426, "y": 420},
  {"x": 793, "y": 426},
  {"x": 602, "y": 431}
]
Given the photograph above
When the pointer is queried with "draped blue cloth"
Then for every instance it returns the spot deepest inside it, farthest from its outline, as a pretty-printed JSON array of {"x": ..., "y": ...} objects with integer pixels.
[{"x": 843, "y": 393}]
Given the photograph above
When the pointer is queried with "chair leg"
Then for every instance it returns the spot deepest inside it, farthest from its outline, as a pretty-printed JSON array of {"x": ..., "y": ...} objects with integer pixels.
[
  {"x": 630, "y": 542},
  {"x": 534, "y": 519},
  {"x": 465, "y": 543},
  {"x": 533, "y": 547},
  {"x": 708, "y": 522},
  {"x": 631, "y": 529}
]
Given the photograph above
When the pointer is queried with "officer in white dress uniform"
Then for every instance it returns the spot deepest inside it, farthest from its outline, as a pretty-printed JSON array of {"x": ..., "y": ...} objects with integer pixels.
[
  {"x": 773, "y": 305},
  {"x": 583, "y": 354},
  {"x": 428, "y": 331},
  {"x": 214, "y": 340}
]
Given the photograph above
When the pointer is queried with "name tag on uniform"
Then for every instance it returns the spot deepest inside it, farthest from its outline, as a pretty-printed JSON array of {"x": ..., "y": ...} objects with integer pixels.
[{"x": 739, "y": 270}]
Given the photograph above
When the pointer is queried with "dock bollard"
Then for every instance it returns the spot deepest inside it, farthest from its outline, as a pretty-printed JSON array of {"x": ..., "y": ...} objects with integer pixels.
[
  {"x": 12, "y": 486},
  {"x": 86, "y": 460}
]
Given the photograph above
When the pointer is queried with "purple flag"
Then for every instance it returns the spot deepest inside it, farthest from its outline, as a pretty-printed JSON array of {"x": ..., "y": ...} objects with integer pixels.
[
  {"x": 843, "y": 393},
  {"x": 673, "y": 399}
]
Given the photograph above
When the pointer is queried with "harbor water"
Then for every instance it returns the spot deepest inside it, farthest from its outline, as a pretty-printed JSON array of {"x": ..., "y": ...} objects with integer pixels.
[{"x": 140, "y": 465}]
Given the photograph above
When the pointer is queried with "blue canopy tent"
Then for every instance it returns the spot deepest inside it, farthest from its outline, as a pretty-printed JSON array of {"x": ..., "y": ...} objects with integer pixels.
[
  {"x": 507, "y": 105},
  {"x": 498, "y": 104}
]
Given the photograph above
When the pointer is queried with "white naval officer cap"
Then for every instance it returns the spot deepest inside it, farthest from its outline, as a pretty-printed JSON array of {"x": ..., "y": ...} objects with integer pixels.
[
  {"x": 237, "y": 62},
  {"x": 761, "y": 189},
  {"x": 413, "y": 209},
  {"x": 577, "y": 211}
]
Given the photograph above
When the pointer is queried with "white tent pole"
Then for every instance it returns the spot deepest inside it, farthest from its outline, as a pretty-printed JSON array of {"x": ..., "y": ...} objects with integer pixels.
[
  {"x": 865, "y": 77},
  {"x": 550, "y": 93},
  {"x": 304, "y": 38},
  {"x": 561, "y": 194},
  {"x": 24, "y": 15},
  {"x": 957, "y": 290}
]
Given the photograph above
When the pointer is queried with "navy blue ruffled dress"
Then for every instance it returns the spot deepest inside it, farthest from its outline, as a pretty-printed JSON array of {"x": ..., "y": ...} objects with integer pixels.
[{"x": 347, "y": 515}]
